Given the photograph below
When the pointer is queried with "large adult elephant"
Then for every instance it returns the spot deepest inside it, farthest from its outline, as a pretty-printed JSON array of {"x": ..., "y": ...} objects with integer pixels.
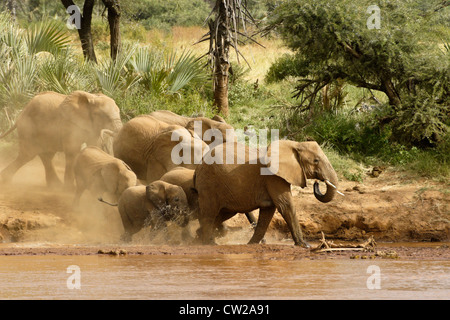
[
  {"x": 53, "y": 122},
  {"x": 226, "y": 189},
  {"x": 147, "y": 145},
  {"x": 170, "y": 117},
  {"x": 199, "y": 125}
]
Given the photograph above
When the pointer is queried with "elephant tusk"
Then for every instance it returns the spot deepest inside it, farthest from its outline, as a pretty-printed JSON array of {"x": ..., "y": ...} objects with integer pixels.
[{"x": 332, "y": 185}]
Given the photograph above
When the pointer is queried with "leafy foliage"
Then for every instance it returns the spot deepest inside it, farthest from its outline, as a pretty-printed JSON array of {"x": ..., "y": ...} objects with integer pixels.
[
  {"x": 48, "y": 35},
  {"x": 332, "y": 43},
  {"x": 166, "y": 73},
  {"x": 22, "y": 52},
  {"x": 164, "y": 14}
]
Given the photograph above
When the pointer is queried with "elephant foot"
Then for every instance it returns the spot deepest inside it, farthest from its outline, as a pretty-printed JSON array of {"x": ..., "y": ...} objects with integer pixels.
[
  {"x": 221, "y": 231},
  {"x": 262, "y": 241},
  {"x": 303, "y": 244}
]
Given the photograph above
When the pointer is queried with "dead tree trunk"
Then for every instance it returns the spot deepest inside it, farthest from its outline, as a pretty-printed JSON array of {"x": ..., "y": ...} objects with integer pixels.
[
  {"x": 222, "y": 61},
  {"x": 12, "y": 7},
  {"x": 113, "y": 7},
  {"x": 85, "y": 33},
  {"x": 228, "y": 16}
]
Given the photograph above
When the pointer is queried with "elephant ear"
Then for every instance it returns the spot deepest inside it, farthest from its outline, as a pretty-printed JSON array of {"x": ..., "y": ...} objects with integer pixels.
[
  {"x": 76, "y": 109},
  {"x": 198, "y": 126},
  {"x": 283, "y": 160},
  {"x": 156, "y": 194},
  {"x": 110, "y": 175}
]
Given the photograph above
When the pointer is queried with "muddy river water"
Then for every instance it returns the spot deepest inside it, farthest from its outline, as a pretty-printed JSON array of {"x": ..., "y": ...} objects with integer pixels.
[{"x": 225, "y": 276}]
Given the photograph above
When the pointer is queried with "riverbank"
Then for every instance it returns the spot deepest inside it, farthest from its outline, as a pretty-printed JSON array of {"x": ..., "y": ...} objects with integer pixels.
[{"x": 391, "y": 207}]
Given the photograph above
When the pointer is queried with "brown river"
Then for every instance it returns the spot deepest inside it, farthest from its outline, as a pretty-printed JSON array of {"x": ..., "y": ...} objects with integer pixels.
[{"x": 219, "y": 276}]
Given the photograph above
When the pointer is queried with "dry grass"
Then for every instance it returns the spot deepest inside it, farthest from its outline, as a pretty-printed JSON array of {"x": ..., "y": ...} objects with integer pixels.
[{"x": 259, "y": 58}]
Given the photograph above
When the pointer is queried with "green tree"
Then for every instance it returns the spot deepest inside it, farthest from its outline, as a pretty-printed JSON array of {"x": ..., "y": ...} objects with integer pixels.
[{"x": 333, "y": 41}]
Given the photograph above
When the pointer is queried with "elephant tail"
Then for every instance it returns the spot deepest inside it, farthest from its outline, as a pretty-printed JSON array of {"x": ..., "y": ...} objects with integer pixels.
[
  {"x": 9, "y": 131},
  {"x": 108, "y": 203}
]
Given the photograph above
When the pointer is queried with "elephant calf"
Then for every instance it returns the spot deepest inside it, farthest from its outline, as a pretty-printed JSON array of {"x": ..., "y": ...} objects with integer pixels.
[
  {"x": 101, "y": 173},
  {"x": 152, "y": 205}
]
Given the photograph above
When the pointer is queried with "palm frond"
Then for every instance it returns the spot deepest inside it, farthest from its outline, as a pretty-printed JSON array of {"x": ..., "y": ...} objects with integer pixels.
[
  {"x": 48, "y": 36},
  {"x": 19, "y": 81},
  {"x": 165, "y": 72},
  {"x": 113, "y": 75},
  {"x": 186, "y": 69}
]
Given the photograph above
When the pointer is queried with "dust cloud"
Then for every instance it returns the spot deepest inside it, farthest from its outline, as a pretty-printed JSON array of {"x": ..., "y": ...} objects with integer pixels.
[{"x": 30, "y": 211}]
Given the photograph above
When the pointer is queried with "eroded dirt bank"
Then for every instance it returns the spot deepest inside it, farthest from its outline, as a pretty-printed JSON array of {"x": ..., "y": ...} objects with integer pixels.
[{"x": 37, "y": 220}]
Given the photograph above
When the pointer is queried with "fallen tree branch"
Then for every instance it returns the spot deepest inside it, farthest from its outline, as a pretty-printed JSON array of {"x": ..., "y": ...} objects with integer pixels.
[{"x": 329, "y": 246}]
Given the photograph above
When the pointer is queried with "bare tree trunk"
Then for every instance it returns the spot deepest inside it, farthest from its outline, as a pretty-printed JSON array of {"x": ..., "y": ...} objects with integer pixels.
[
  {"x": 12, "y": 7},
  {"x": 113, "y": 7},
  {"x": 389, "y": 89},
  {"x": 222, "y": 61},
  {"x": 85, "y": 32}
]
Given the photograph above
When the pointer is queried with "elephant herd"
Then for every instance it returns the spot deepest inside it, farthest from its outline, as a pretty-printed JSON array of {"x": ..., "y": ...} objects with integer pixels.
[{"x": 133, "y": 165}]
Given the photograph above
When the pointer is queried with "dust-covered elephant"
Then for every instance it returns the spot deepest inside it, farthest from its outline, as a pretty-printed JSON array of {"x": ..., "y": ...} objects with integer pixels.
[
  {"x": 101, "y": 173},
  {"x": 153, "y": 205},
  {"x": 152, "y": 147},
  {"x": 228, "y": 188},
  {"x": 170, "y": 117},
  {"x": 53, "y": 122},
  {"x": 199, "y": 125},
  {"x": 184, "y": 178}
]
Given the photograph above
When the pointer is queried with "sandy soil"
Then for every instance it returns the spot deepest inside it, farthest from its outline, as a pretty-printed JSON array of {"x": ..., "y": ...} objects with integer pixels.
[{"x": 407, "y": 216}]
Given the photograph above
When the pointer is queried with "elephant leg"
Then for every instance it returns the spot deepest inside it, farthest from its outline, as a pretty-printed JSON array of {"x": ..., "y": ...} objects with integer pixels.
[
  {"x": 11, "y": 169},
  {"x": 251, "y": 219},
  {"x": 68, "y": 173},
  {"x": 208, "y": 215},
  {"x": 265, "y": 216},
  {"x": 288, "y": 213},
  {"x": 219, "y": 229},
  {"x": 207, "y": 225},
  {"x": 50, "y": 174},
  {"x": 77, "y": 197},
  {"x": 280, "y": 193}
]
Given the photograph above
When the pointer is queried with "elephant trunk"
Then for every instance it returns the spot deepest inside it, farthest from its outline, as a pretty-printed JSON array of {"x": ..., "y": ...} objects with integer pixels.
[
  {"x": 331, "y": 189},
  {"x": 117, "y": 125}
]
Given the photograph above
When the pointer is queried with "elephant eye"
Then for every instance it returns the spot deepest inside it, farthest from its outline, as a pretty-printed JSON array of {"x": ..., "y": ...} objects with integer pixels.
[
  {"x": 316, "y": 161},
  {"x": 176, "y": 199}
]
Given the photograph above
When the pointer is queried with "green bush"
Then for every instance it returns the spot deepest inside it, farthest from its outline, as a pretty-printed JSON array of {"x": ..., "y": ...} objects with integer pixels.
[{"x": 162, "y": 14}]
